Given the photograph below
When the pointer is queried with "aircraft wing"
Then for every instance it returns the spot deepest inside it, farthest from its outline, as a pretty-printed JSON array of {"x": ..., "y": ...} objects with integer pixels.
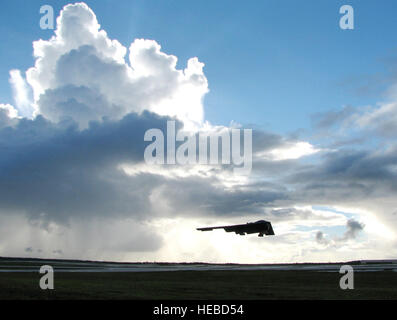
[
  {"x": 233, "y": 228},
  {"x": 270, "y": 231}
]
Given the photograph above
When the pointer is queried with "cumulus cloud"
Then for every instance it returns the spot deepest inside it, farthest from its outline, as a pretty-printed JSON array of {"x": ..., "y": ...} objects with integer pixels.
[
  {"x": 82, "y": 112},
  {"x": 8, "y": 115},
  {"x": 82, "y": 74},
  {"x": 66, "y": 149}
]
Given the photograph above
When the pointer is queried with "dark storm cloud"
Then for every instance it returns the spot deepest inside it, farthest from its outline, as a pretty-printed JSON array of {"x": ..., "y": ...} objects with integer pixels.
[
  {"x": 263, "y": 141},
  {"x": 208, "y": 197},
  {"x": 59, "y": 171},
  {"x": 348, "y": 175}
]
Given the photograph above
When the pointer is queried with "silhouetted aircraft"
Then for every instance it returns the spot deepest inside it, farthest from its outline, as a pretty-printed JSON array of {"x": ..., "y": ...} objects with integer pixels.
[{"x": 262, "y": 227}]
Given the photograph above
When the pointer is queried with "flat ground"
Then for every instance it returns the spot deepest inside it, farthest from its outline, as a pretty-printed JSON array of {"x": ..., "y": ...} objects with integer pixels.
[{"x": 257, "y": 284}]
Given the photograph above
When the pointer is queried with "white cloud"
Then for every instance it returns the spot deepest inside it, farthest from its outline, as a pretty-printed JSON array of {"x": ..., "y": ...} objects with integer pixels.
[
  {"x": 8, "y": 115},
  {"x": 382, "y": 119},
  {"x": 22, "y": 94},
  {"x": 80, "y": 64},
  {"x": 9, "y": 110},
  {"x": 288, "y": 151}
]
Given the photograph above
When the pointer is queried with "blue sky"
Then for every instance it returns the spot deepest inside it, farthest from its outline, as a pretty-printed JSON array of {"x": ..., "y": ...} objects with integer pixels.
[{"x": 263, "y": 59}]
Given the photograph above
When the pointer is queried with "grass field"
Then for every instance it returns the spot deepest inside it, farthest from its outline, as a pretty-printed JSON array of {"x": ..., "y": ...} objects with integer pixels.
[{"x": 199, "y": 285}]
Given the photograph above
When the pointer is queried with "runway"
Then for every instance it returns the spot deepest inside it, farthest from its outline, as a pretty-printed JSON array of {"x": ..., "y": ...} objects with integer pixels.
[{"x": 28, "y": 265}]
